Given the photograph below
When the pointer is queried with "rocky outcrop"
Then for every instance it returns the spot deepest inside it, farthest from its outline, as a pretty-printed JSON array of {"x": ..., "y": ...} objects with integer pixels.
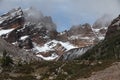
[
  {"x": 81, "y": 35},
  {"x": 114, "y": 28},
  {"x": 17, "y": 53},
  {"x": 12, "y": 19},
  {"x": 84, "y": 29}
]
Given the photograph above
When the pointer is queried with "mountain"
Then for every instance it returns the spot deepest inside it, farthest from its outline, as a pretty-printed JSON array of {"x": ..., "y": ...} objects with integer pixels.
[
  {"x": 109, "y": 48},
  {"x": 85, "y": 36},
  {"x": 30, "y": 30},
  {"x": 19, "y": 29},
  {"x": 79, "y": 35},
  {"x": 76, "y": 54}
]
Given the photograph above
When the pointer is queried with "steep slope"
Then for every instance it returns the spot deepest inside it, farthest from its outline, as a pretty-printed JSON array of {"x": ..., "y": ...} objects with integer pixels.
[
  {"x": 108, "y": 48},
  {"x": 16, "y": 53},
  {"x": 114, "y": 28},
  {"x": 110, "y": 73},
  {"x": 73, "y": 53},
  {"x": 100, "y": 26}
]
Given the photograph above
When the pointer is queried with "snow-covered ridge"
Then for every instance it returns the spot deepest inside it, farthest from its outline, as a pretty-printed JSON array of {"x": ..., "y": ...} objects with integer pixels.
[
  {"x": 49, "y": 46},
  {"x": 14, "y": 13},
  {"x": 97, "y": 30},
  {"x": 73, "y": 37}
]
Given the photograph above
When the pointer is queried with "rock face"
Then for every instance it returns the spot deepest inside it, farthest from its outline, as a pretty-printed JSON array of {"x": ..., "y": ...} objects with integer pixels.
[
  {"x": 81, "y": 35},
  {"x": 30, "y": 30},
  {"x": 114, "y": 28},
  {"x": 16, "y": 53},
  {"x": 12, "y": 19},
  {"x": 84, "y": 35}
]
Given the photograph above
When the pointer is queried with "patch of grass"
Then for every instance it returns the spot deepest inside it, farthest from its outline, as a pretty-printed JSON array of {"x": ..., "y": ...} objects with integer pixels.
[{"x": 27, "y": 77}]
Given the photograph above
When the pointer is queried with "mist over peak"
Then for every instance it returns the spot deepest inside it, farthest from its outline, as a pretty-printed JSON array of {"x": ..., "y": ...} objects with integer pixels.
[
  {"x": 66, "y": 13},
  {"x": 32, "y": 14},
  {"x": 103, "y": 21}
]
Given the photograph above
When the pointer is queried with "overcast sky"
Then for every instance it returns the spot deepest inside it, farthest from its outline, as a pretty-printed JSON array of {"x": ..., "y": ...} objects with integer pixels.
[{"x": 66, "y": 13}]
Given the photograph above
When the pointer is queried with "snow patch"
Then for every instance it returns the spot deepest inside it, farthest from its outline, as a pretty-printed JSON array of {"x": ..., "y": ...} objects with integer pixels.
[
  {"x": 2, "y": 32},
  {"x": 101, "y": 37},
  {"x": 1, "y": 20},
  {"x": 96, "y": 30},
  {"x": 44, "y": 48},
  {"x": 84, "y": 37},
  {"x": 79, "y": 37},
  {"x": 24, "y": 37},
  {"x": 50, "y": 58}
]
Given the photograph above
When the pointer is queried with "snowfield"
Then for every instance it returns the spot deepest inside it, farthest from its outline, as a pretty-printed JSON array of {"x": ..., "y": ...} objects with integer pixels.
[{"x": 49, "y": 46}]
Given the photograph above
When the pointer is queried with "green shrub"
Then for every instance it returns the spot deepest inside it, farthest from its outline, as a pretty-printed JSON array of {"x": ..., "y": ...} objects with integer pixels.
[{"x": 6, "y": 60}]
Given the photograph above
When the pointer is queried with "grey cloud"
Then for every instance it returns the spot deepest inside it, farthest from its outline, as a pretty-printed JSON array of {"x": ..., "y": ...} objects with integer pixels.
[
  {"x": 70, "y": 7},
  {"x": 75, "y": 10}
]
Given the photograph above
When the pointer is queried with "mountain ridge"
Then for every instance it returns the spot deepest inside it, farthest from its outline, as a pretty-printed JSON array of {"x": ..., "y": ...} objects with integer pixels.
[{"x": 33, "y": 34}]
